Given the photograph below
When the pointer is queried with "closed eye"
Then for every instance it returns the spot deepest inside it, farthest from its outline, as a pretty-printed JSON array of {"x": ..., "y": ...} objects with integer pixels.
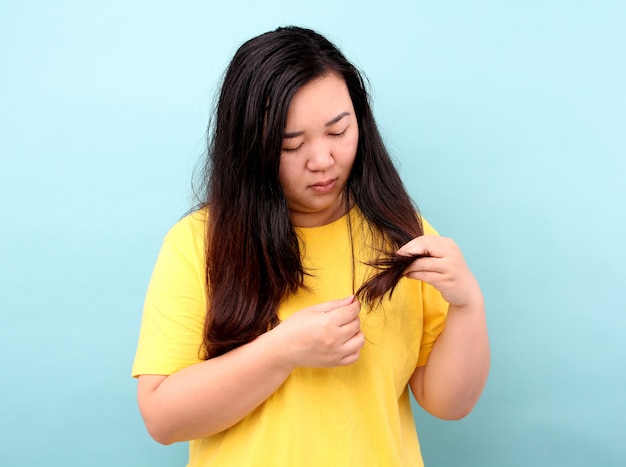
[
  {"x": 292, "y": 149},
  {"x": 339, "y": 134}
]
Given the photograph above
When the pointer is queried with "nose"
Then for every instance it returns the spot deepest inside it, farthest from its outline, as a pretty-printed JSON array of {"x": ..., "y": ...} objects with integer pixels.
[{"x": 319, "y": 158}]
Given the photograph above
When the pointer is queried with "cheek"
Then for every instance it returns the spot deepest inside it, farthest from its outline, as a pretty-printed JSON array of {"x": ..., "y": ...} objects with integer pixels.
[{"x": 348, "y": 149}]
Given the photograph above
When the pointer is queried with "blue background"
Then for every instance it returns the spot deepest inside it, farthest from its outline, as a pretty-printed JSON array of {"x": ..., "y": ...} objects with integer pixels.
[{"x": 508, "y": 123}]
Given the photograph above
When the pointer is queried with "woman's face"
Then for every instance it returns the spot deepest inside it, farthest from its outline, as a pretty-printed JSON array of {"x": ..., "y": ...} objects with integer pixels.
[{"x": 318, "y": 150}]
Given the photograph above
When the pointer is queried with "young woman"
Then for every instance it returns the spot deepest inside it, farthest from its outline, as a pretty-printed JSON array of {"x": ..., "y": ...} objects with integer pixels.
[{"x": 287, "y": 318}]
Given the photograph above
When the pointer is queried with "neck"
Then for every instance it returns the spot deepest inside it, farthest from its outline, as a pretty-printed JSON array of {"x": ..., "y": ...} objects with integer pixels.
[{"x": 318, "y": 219}]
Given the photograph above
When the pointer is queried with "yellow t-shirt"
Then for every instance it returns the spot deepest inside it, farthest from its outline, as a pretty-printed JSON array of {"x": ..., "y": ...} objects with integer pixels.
[{"x": 358, "y": 415}]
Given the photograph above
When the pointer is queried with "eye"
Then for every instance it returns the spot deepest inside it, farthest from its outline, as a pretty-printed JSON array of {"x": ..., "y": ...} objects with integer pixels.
[
  {"x": 341, "y": 133},
  {"x": 292, "y": 149}
]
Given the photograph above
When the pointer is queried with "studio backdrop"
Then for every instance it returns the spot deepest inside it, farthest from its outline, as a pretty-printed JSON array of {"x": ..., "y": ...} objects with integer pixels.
[{"x": 506, "y": 119}]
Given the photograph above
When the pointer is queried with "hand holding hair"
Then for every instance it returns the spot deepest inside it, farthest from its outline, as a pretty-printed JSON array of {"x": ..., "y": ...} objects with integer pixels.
[{"x": 439, "y": 262}]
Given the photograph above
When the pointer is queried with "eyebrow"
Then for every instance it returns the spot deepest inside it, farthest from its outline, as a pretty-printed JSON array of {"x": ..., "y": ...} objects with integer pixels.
[{"x": 295, "y": 134}]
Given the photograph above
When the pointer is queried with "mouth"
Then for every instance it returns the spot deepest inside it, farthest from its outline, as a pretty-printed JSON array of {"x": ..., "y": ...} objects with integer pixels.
[{"x": 324, "y": 186}]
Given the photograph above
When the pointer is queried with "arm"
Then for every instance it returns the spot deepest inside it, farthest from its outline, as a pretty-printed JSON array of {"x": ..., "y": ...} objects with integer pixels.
[
  {"x": 451, "y": 382},
  {"x": 210, "y": 396}
]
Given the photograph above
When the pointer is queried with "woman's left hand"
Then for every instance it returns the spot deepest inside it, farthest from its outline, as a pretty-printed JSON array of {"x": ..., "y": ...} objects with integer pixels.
[
  {"x": 453, "y": 378},
  {"x": 443, "y": 267}
]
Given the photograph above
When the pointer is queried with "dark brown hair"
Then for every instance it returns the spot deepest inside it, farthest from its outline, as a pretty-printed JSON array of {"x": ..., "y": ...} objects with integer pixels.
[{"x": 252, "y": 253}]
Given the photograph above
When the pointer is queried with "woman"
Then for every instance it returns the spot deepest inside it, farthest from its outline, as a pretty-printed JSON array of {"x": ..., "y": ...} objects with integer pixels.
[{"x": 287, "y": 318}]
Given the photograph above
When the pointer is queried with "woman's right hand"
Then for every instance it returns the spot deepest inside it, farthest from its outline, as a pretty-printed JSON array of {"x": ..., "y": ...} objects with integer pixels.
[
  {"x": 212, "y": 395},
  {"x": 322, "y": 336}
]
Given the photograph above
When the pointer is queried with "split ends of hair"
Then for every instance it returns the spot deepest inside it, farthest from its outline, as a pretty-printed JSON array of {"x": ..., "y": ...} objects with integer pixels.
[{"x": 391, "y": 270}]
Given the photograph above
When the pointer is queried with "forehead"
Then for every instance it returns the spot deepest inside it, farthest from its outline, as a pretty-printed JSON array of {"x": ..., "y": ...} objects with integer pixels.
[{"x": 323, "y": 98}]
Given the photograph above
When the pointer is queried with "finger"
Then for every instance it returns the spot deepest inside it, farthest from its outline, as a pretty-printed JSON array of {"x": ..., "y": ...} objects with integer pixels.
[
  {"x": 432, "y": 278},
  {"x": 426, "y": 263},
  {"x": 348, "y": 314},
  {"x": 351, "y": 334},
  {"x": 349, "y": 330},
  {"x": 413, "y": 248},
  {"x": 350, "y": 358},
  {"x": 427, "y": 245},
  {"x": 354, "y": 343},
  {"x": 329, "y": 306}
]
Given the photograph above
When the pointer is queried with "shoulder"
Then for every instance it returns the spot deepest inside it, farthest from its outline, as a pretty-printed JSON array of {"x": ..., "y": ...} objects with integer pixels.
[
  {"x": 428, "y": 228},
  {"x": 190, "y": 227},
  {"x": 185, "y": 239}
]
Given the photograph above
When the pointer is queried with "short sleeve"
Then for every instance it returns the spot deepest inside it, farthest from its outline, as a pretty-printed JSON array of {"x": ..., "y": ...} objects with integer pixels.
[
  {"x": 435, "y": 311},
  {"x": 174, "y": 307}
]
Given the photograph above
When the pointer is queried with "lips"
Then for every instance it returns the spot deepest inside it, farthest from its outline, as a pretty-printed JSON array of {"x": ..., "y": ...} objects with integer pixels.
[{"x": 324, "y": 186}]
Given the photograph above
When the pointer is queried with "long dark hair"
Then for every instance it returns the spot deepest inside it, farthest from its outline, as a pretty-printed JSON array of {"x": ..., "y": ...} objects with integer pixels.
[{"x": 252, "y": 253}]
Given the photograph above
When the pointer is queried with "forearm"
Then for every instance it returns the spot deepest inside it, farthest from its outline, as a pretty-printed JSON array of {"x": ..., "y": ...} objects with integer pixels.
[
  {"x": 451, "y": 382},
  {"x": 213, "y": 395}
]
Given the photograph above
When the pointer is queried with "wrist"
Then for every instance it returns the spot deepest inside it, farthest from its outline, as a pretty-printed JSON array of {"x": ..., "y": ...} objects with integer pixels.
[{"x": 276, "y": 343}]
